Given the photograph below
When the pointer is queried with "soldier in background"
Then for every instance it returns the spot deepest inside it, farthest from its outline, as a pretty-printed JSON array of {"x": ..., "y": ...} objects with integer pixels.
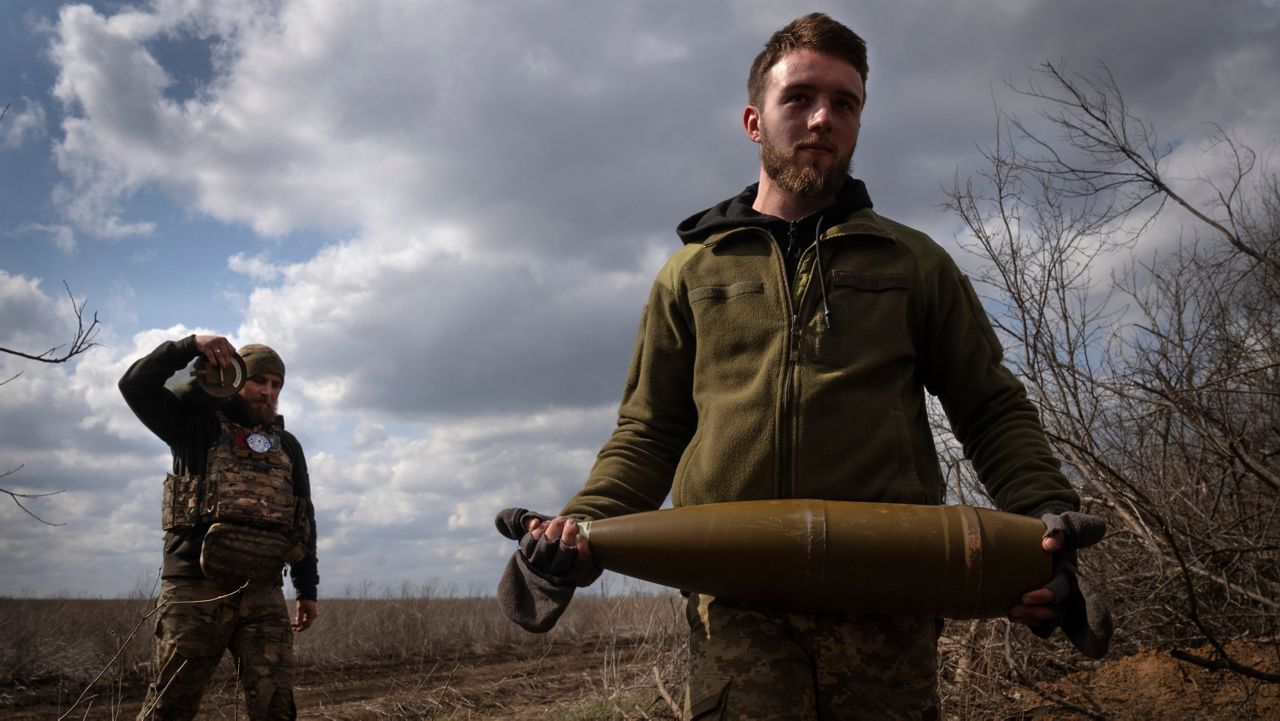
[
  {"x": 237, "y": 507},
  {"x": 786, "y": 352}
]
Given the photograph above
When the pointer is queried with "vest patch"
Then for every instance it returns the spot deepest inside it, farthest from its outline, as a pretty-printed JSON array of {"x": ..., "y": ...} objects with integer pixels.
[{"x": 249, "y": 479}]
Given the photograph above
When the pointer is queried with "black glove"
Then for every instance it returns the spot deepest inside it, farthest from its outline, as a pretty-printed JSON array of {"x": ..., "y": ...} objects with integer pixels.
[
  {"x": 1082, "y": 612},
  {"x": 550, "y": 558},
  {"x": 538, "y": 583}
]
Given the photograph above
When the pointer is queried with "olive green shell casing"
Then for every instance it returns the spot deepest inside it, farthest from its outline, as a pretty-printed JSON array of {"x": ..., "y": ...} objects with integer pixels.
[
  {"x": 948, "y": 561},
  {"x": 220, "y": 382}
]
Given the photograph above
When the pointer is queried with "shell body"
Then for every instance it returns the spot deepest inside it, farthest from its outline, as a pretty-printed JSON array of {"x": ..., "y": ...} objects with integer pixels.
[{"x": 948, "y": 561}]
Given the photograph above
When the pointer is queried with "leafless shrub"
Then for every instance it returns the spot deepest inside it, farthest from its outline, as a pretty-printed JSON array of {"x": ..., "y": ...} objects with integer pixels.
[{"x": 1157, "y": 372}]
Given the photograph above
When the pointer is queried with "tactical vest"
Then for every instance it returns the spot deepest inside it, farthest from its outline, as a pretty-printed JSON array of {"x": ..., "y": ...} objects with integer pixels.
[{"x": 245, "y": 496}]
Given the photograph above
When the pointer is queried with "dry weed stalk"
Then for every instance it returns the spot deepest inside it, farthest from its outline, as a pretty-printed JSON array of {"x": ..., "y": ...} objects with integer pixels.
[{"x": 129, "y": 638}]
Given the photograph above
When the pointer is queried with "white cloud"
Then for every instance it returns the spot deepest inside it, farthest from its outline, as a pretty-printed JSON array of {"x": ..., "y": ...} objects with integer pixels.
[
  {"x": 21, "y": 124},
  {"x": 69, "y": 429},
  {"x": 494, "y": 187},
  {"x": 441, "y": 487},
  {"x": 381, "y": 116},
  {"x": 33, "y": 322},
  {"x": 257, "y": 267},
  {"x": 63, "y": 237},
  {"x": 404, "y": 324},
  {"x": 19, "y": 290},
  {"x": 391, "y": 116}
]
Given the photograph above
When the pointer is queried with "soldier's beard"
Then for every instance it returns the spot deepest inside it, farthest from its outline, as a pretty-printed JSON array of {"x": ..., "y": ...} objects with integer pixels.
[
  {"x": 262, "y": 413},
  {"x": 806, "y": 180},
  {"x": 258, "y": 413}
]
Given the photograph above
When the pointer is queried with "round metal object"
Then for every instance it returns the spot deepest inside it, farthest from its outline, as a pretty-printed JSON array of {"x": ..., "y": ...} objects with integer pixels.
[{"x": 221, "y": 382}]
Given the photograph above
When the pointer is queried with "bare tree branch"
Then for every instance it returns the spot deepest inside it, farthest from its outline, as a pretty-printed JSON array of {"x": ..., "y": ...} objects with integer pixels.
[
  {"x": 15, "y": 496},
  {"x": 81, "y": 342},
  {"x": 1224, "y": 663}
]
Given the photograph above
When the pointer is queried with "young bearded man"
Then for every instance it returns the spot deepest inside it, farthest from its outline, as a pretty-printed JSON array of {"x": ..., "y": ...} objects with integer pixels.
[{"x": 786, "y": 352}]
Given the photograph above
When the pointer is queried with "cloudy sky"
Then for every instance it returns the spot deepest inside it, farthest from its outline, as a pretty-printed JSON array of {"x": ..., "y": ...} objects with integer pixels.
[{"x": 446, "y": 216}]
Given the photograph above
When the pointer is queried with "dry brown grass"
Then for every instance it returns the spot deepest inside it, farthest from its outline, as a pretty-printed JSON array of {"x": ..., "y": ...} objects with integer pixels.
[
  {"x": 420, "y": 653},
  {"x": 54, "y": 647},
  {"x": 401, "y": 654}
]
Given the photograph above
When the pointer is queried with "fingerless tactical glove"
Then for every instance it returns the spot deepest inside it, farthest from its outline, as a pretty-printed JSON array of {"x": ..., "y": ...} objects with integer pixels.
[
  {"x": 1083, "y": 613},
  {"x": 538, "y": 583}
]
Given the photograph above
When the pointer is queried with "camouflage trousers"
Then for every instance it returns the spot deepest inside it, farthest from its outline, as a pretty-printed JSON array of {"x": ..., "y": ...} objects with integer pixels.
[
  {"x": 749, "y": 662},
  {"x": 192, "y": 633}
]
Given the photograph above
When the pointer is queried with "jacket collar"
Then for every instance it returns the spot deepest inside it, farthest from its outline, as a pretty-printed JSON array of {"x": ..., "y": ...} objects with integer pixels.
[{"x": 864, "y": 222}]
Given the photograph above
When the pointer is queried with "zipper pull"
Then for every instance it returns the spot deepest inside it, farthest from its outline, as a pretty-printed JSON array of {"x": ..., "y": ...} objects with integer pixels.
[{"x": 795, "y": 337}]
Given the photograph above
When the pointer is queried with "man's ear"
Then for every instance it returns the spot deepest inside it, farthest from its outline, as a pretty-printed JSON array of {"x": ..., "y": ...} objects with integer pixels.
[{"x": 751, "y": 123}]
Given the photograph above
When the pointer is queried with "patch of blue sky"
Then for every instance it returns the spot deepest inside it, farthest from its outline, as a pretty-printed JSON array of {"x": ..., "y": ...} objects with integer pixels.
[
  {"x": 185, "y": 261},
  {"x": 187, "y": 60},
  {"x": 27, "y": 171},
  {"x": 176, "y": 274},
  {"x": 26, "y": 69}
]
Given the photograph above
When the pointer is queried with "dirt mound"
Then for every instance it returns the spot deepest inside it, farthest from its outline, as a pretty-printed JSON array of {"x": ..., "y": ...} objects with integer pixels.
[{"x": 1155, "y": 685}]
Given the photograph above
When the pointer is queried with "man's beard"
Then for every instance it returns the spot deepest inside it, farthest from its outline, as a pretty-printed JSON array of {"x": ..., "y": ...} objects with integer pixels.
[
  {"x": 801, "y": 179},
  {"x": 258, "y": 414},
  {"x": 261, "y": 413}
]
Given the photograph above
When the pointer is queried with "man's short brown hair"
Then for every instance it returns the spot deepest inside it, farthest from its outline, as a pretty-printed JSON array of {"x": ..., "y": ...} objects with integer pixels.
[{"x": 815, "y": 31}]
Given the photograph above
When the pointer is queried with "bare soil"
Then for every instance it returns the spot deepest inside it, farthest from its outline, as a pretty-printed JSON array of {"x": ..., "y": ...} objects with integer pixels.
[
  {"x": 611, "y": 657},
  {"x": 566, "y": 680},
  {"x": 507, "y": 685},
  {"x": 1154, "y": 685}
]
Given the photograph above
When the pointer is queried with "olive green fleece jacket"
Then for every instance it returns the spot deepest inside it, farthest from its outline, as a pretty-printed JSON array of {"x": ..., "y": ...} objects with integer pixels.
[{"x": 740, "y": 389}]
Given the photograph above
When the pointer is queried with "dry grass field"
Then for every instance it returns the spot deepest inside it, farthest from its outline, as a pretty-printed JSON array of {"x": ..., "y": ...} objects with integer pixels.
[{"x": 417, "y": 653}]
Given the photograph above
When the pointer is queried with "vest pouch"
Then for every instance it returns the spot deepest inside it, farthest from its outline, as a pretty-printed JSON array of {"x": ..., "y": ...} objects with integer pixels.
[
  {"x": 233, "y": 552},
  {"x": 246, "y": 495},
  {"x": 181, "y": 508}
]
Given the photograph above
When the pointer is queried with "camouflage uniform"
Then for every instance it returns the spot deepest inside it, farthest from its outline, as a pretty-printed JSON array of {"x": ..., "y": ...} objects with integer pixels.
[
  {"x": 192, "y": 632},
  {"x": 237, "y": 505},
  {"x": 749, "y": 662}
]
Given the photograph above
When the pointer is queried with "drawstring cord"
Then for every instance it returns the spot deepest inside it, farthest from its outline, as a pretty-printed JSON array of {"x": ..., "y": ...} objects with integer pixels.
[{"x": 822, "y": 282}]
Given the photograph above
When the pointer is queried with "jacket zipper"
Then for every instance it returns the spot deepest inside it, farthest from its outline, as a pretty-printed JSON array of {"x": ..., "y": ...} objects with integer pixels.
[
  {"x": 782, "y": 444},
  {"x": 786, "y": 425}
]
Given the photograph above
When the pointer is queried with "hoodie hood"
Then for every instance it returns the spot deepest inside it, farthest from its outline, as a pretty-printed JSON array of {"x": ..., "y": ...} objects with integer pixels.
[{"x": 736, "y": 212}]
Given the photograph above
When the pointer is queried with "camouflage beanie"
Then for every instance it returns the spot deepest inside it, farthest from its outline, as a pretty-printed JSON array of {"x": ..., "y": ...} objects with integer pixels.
[{"x": 260, "y": 359}]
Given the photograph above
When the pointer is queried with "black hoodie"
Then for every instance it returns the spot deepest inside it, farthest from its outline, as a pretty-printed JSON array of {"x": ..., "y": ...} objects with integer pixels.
[{"x": 792, "y": 236}]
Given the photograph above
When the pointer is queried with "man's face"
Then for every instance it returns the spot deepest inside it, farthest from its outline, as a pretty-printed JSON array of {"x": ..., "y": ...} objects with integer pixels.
[
  {"x": 260, "y": 394},
  {"x": 808, "y": 126}
]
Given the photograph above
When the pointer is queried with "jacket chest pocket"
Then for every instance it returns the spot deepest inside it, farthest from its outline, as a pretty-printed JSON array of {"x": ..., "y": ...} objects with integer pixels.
[
  {"x": 730, "y": 322},
  {"x": 869, "y": 320}
]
